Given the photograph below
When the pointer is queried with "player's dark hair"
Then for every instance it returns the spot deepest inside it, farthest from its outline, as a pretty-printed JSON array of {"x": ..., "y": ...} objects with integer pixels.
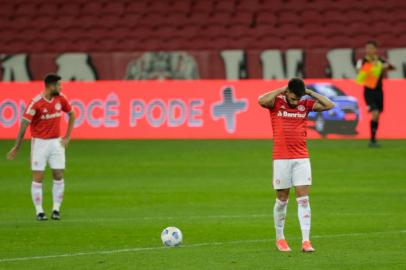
[
  {"x": 51, "y": 78},
  {"x": 297, "y": 87},
  {"x": 372, "y": 42}
]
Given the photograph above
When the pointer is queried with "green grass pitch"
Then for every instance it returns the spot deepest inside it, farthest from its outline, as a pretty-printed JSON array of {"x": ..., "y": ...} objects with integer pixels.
[{"x": 120, "y": 195}]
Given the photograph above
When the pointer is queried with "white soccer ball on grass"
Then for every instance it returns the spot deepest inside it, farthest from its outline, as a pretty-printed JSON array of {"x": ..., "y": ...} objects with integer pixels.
[{"x": 171, "y": 237}]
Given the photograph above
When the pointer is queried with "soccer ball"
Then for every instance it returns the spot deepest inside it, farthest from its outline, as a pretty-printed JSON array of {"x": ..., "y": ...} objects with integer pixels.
[{"x": 171, "y": 237}]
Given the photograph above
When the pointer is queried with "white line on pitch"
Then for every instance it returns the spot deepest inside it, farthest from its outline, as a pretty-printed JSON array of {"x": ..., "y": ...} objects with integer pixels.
[{"x": 107, "y": 252}]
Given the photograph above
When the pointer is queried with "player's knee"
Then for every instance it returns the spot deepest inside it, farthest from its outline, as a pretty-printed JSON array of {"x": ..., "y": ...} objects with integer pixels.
[
  {"x": 281, "y": 204},
  {"x": 303, "y": 201},
  {"x": 58, "y": 175}
]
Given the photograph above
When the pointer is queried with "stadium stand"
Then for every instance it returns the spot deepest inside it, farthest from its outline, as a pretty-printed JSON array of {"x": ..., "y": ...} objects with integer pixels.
[{"x": 198, "y": 25}]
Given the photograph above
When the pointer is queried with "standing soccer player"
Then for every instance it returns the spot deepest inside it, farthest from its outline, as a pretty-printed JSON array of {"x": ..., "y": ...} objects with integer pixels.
[
  {"x": 44, "y": 114},
  {"x": 373, "y": 94},
  {"x": 291, "y": 164}
]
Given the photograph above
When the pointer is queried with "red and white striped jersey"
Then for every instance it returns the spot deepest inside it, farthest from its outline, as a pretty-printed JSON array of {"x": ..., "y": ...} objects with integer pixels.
[
  {"x": 45, "y": 116},
  {"x": 290, "y": 128}
]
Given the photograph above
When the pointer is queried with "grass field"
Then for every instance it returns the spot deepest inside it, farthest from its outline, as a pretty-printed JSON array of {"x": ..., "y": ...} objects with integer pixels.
[{"x": 121, "y": 194}]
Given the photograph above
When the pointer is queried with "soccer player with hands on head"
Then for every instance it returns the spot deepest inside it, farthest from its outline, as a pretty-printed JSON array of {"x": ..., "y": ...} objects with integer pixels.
[{"x": 291, "y": 164}]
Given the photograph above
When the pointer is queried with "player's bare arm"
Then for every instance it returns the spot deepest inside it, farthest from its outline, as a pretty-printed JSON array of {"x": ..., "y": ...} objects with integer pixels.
[
  {"x": 13, "y": 152},
  {"x": 322, "y": 104},
  {"x": 388, "y": 67},
  {"x": 267, "y": 100},
  {"x": 65, "y": 140}
]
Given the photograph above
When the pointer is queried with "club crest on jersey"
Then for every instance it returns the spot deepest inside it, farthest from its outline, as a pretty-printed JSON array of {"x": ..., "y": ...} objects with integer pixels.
[
  {"x": 45, "y": 110},
  {"x": 58, "y": 106},
  {"x": 301, "y": 108}
]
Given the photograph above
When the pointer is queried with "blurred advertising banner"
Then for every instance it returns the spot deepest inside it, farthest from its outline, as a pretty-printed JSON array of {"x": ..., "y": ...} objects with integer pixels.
[
  {"x": 201, "y": 109},
  {"x": 234, "y": 64}
]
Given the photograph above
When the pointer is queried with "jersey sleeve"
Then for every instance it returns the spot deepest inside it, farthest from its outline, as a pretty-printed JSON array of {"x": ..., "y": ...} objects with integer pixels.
[
  {"x": 30, "y": 111},
  {"x": 66, "y": 107},
  {"x": 275, "y": 104},
  {"x": 310, "y": 104}
]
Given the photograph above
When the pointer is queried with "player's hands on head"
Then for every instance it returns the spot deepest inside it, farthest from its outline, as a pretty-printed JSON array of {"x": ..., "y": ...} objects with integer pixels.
[
  {"x": 65, "y": 142},
  {"x": 12, "y": 153}
]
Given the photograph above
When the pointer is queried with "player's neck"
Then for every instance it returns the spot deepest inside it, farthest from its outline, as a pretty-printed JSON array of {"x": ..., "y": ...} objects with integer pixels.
[{"x": 47, "y": 95}]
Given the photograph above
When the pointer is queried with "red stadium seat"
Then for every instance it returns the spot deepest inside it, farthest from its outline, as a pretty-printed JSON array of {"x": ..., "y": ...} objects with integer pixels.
[
  {"x": 288, "y": 18},
  {"x": 129, "y": 20},
  {"x": 48, "y": 9},
  {"x": 113, "y": 8},
  {"x": 151, "y": 44},
  {"x": 265, "y": 18},
  {"x": 176, "y": 19},
  {"x": 180, "y": 7},
  {"x": 202, "y": 7},
  {"x": 313, "y": 16},
  {"x": 313, "y": 29},
  {"x": 52, "y": 35},
  {"x": 242, "y": 17},
  {"x": 92, "y": 8},
  {"x": 226, "y": 6},
  {"x": 189, "y": 31},
  {"x": 316, "y": 41},
  {"x": 6, "y": 10},
  {"x": 383, "y": 27},
  {"x": 214, "y": 31},
  {"x": 42, "y": 22},
  {"x": 152, "y": 20},
  {"x": 109, "y": 22},
  {"x": 167, "y": 32},
  {"x": 270, "y": 42},
  {"x": 20, "y": 23},
  {"x": 69, "y": 9},
  {"x": 235, "y": 31},
  {"x": 334, "y": 16},
  {"x": 159, "y": 7},
  {"x": 199, "y": 19},
  {"x": 359, "y": 28},
  {"x": 245, "y": 42},
  {"x": 7, "y": 35},
  {"x": 219, "y": 18},
  {"x": 356, "y": 16},
  {"x": 225, "y": 43},
  {"x": 26, "y": 9},
  {"x": 294, "y": 42},
  {"x": 290, "y": 29},
  {"x": 249, "y": 5},
  {"x": 138, "y": 7}
]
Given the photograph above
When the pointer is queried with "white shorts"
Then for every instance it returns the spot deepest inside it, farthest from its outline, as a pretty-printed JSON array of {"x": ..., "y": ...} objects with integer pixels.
[
  {"x": 46, "y": 151},
  {"x": 291, "y": 172}
]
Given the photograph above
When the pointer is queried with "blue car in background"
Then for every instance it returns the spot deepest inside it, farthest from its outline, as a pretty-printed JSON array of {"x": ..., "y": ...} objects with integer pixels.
[{"x": 342, "y": 119}]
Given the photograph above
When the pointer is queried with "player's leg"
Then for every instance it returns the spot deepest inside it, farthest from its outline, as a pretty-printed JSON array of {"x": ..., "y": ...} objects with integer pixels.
[
  {"x": 374, "y": 126},
  {"x": 375, "y": 103},
  {"x": 375, "y": 113},
  {"x": 38, "y": 164},
  {"x": 58, "y": 190},
  {"x": 279, "y": 212},
  {"x": 301, "y": 177},
  {"x": 282, "y": 184},
  {"x": 57, "y": 163}
]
